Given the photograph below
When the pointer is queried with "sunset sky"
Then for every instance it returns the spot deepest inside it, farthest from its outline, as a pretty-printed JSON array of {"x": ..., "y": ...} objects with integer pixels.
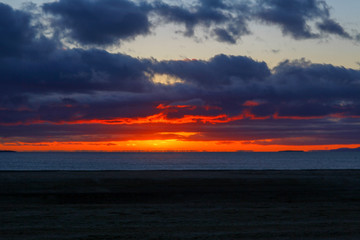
[{"x": 202, "y": 75}]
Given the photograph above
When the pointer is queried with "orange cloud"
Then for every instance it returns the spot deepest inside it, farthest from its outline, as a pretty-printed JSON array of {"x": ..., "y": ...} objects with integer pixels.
[
  {"x": 162, "y": 117},
  {"x": 250, "y": 103},
  {"x": 162, "y": 106}
]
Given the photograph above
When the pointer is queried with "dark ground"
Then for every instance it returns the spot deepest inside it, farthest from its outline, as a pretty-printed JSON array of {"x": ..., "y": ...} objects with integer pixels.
[{"x": 180, "y": 205}]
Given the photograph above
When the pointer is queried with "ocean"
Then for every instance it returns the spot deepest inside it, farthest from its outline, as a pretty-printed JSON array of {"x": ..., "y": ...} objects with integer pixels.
[{"x": 31, "y": 161}]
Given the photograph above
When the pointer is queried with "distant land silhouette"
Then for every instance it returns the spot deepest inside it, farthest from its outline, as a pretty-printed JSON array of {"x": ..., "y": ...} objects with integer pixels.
[
  {"x": 339, "y": 150},
  {"x": 291, "y": 151}
]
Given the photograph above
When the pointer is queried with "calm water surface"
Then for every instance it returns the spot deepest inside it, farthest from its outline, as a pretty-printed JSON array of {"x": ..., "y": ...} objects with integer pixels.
[{"x": 179, "y": 161}]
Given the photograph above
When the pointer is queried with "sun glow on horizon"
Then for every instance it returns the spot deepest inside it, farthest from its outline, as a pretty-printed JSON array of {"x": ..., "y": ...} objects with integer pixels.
[{"x": 166, "y": 145}]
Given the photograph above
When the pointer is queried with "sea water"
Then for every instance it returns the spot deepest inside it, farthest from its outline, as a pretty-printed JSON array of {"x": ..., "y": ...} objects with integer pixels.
[{"x": 179, "y": 161}]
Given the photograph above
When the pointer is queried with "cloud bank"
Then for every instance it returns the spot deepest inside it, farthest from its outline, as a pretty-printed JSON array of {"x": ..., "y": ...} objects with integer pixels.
[{"x": 52, "y": 93}]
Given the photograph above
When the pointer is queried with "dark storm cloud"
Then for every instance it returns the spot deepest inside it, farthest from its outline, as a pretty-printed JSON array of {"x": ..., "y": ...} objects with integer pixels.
[
  {"x": 302, "y": 89},
  {"x": 217, "y": 71},
  {"x": 294, "y": 17},
  {"x": 332, "y": 27},
  {"x": 107, "y": 22},
  {"x": 233, "y": 31},
  {"x": 293, "y": 89},
  {"x": 227, "y": 22},
  {"x": 204, "y": 15},
  {"x": 17, "y": 34},
  {"x": 223, "y": 36},
  {"x": 222, "y": 85},
  {"x": 291, "y": 16},
  {"x": 99, "y": 22},
  {"x": 320, "y": 81},
  {"x": 73, "y": 85},
  {"x": 73, "y": 70}
]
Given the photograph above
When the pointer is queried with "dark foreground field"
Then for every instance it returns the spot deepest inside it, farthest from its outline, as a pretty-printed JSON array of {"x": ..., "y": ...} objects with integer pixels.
[{"x": 180, "y": 205}]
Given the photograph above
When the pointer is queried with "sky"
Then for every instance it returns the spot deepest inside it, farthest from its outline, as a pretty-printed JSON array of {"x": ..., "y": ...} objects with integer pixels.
[{"x": 201, "y": 75}]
